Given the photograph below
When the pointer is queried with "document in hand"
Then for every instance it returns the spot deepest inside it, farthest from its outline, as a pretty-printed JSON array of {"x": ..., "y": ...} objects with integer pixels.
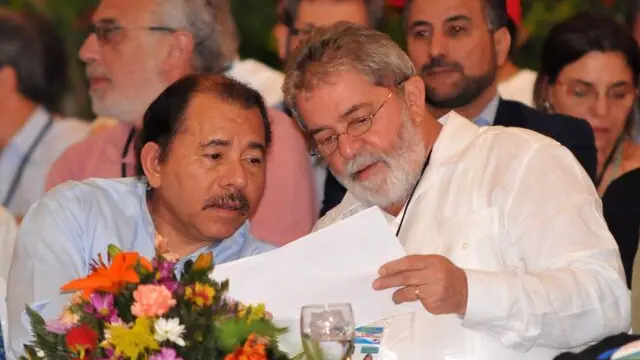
[{"x": 334, "y": 265}]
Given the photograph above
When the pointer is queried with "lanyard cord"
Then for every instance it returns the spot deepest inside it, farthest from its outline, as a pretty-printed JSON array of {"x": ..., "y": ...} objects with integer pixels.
[
  {"x": 125, "y": 151},
  {"x": 415, "y": 187},
  {"x": 17, "y": 177}
]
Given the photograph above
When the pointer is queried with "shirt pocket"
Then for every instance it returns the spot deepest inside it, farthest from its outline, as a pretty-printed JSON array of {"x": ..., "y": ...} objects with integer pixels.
[{"x": 471, "y": 240}]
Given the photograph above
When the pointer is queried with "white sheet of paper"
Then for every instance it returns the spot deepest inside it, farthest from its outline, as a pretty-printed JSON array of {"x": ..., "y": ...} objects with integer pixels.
[{"x": 335, "y": 265}]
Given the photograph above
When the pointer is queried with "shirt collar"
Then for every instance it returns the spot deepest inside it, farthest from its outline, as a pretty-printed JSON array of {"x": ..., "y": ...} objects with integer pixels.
[
  {"x": 221, "y": 250},
  {"x": 25, "y": 137},
  {"x": 489, "y": 112}
]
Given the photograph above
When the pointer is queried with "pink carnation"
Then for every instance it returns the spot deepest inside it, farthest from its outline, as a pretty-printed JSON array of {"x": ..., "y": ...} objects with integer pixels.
[{"x": 152, "y": 300}]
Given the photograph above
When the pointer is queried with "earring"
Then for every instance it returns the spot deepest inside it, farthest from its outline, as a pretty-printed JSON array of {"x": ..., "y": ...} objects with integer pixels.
[{"x": 547, "y": 108}]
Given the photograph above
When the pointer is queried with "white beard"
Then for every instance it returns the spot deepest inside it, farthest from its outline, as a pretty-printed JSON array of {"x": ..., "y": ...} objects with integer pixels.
[{"x": 394, "y": 186}]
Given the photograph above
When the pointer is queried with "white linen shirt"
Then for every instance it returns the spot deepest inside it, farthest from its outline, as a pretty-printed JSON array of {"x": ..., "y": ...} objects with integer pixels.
[{"x": 517, "y": 212}]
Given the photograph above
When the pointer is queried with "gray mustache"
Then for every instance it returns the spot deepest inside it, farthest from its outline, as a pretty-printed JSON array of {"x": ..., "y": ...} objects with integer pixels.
[{"x": 230, "y": 201}]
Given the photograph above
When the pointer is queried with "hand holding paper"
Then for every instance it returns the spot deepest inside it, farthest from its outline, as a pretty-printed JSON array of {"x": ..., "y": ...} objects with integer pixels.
[{"x": 335, "y": 265}]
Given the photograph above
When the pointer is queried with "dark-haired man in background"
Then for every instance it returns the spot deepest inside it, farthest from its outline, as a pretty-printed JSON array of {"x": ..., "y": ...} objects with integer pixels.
[
  {"x": 458, "y": 46},
  {"x": 32, "y": 79},
  {"x": 298, "y": 18},
  {"x": 201, "y": 174}
]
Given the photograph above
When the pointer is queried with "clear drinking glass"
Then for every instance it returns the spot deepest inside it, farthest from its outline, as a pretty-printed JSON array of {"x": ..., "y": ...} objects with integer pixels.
[{"x": 327, "y": 331}]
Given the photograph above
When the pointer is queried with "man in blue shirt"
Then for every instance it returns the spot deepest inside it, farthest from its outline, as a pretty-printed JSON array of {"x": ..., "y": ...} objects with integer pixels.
[{"x": 201, "y": 166}]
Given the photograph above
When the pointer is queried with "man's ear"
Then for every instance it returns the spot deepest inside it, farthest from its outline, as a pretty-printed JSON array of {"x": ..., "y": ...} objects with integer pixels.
[
  {"x": 151, "y": 164},
  {"x": 414, "y": 97},
  {"x": 281, "y": 33},
  {"x": 180, "y": 53},
  {"x": 502, "y": 42}
]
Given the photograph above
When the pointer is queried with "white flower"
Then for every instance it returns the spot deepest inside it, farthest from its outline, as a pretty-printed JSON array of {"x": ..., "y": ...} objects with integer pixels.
[
  {"x": 39, "y": 352},
  {"x": 211, "y": 276},
  {"x": 169, "y": 330}
]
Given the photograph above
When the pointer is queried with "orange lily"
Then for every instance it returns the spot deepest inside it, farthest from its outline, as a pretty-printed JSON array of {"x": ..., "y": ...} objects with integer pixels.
[
  {"x": 204, "y": 261},
  {"x": 110, "y": 278},
  {"x": 252, "y": 350}
]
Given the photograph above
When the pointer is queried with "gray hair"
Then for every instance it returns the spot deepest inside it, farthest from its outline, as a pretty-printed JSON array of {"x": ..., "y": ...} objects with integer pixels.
[
  {"x": 211, "y": 24},
  {"x": 375, "y": 11},
  {"x": 495, "y": 13},
  {"x": 341, "y": 46}
]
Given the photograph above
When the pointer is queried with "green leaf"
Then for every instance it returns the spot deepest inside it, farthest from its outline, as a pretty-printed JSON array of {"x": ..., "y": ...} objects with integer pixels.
[
  {"x": 233, "y": 332},
  {"x": 113, "y": 250}
]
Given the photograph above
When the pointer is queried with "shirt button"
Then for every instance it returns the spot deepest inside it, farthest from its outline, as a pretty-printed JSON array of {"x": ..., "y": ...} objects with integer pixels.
[{"x": 463, "y": 245}]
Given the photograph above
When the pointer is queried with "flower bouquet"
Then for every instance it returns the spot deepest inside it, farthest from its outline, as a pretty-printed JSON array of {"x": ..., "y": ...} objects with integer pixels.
[{"x": 133, "y": 308}]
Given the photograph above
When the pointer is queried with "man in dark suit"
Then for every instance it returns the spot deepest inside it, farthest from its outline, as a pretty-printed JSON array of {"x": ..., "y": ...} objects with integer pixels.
[{"x": 458, "y": 46}]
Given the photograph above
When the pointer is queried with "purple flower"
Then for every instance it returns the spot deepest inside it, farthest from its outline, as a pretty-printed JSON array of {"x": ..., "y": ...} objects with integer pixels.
[
  {"x": 103, "y": 305},
  {"x": 110, "y": 354},
  {"x": 170, "y": 284},
  {"x": 114, "y": 319},
  {"x": 58, "y": 327},
  {"x": 166, "y": 354},
  {"x": 165, "y": 270}
]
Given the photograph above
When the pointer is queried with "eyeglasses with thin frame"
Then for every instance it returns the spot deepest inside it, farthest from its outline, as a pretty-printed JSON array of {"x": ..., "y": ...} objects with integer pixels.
[
  {"x": 105, "y": 32},
  {"x": 586, "y": 95},
  {"x": 325, "y": 142}
]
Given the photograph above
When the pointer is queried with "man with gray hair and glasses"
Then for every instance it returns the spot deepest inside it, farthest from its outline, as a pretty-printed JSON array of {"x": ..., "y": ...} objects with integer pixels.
[
  {"x": 508, "y": 252},
  {"x": 138, "y": 48}
]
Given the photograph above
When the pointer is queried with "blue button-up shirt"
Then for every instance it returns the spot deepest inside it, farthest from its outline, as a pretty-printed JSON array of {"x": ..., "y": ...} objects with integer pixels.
[
  {"x": 55, "y": 139},
  {"x": 70, "y": 226},
  {"x": 488, "y": 115}
]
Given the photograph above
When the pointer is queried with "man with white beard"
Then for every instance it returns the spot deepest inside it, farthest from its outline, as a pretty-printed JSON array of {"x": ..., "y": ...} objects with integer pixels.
[{"x": 509, "y": 254}]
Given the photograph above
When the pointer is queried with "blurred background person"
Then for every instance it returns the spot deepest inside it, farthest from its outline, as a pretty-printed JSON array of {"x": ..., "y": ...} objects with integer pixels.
[
  {"x": 589, "y": 68},
  {"x": 8, "y": 230},
  {"x": 632, "y": 19},
  {"x": 458, "y": 47},
  {"x": 515, "y": 83},
  {"x": 139, "y": 48},
  {"x": 33, "y": 77},
  {"x": 634, "y": 26},
  {"x": 297, "y": 19}
]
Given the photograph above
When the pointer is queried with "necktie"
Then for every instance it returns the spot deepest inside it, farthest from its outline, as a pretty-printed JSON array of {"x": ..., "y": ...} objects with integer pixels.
[{"x": 482, "y": 122}]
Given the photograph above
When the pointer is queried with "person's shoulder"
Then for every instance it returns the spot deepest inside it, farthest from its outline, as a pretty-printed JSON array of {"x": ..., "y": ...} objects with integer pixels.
[
  {"x": 90, "y": 192},
  {"x": 92, "y": 143},
  {"x": 72, "y": 123},
  {"x": 257, "y": 68},
  {"x": 564, "y": 128},
  {"x": 534, "y": 116},
  {"x": 261, "y": 77},
  {"x": 282, "y": 122},
  {"x": 66, "y": 132},
  {"x": 285, "y": 134}
]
